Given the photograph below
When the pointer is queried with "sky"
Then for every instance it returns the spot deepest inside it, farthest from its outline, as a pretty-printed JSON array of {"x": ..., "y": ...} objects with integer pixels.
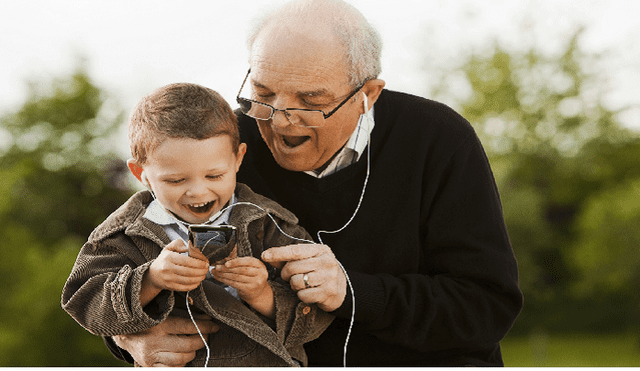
[{"x": 131, "y": 47}]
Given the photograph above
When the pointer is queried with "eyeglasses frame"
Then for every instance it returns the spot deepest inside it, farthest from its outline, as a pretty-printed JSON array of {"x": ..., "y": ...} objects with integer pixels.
[{"x": 286, "y": 112}]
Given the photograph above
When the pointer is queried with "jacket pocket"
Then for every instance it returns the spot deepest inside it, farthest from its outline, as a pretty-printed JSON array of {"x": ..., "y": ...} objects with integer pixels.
[
  {"x": 232, "y": 348},
  {"x": 229, "y": 343}
]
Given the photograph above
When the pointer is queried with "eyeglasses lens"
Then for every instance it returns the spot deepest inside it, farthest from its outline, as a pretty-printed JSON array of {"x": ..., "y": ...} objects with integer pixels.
[{"x": 255, "y": 110}]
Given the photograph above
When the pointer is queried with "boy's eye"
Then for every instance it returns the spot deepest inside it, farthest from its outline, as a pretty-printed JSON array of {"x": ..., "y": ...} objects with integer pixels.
[
  {"x": 174, "y": 181},
  {"x": 217, "y": 176}
]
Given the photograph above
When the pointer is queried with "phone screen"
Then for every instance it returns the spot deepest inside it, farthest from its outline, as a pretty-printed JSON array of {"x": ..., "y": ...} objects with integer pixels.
[{"x": 215, "y": 242}]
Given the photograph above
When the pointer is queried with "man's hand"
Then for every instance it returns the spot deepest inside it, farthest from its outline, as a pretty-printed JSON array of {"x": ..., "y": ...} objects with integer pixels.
[
  {"x": 173, "y": 343},
  {"x": 313, "y": 271}
]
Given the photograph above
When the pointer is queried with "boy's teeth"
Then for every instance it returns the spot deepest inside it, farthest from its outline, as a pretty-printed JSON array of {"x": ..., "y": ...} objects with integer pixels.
[{"x": 201, "y": 207}]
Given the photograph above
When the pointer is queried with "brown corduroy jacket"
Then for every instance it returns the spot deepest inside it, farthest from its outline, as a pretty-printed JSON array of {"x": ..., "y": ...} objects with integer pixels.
[{"x": 102, "y": 292}]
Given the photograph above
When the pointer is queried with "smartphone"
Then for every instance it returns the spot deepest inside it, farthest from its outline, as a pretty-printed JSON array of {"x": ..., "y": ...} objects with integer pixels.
[{"x": 215, "y": 242}]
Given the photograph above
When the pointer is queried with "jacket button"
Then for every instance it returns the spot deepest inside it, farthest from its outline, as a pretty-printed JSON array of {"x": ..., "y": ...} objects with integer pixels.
[{"x": 306, "y": 310}]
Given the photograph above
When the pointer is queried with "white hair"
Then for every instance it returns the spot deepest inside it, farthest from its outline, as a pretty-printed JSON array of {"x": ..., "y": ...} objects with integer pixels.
[{"x": 361, "y": 42}]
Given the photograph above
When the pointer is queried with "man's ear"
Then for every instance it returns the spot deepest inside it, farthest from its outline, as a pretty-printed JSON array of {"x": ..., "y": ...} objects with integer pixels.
[
  {"x": 372, "y": 89},
  {"x": 135, "y": 169}
]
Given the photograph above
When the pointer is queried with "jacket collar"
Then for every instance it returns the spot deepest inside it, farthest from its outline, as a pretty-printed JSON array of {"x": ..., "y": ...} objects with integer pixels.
[{"x": 130, "y": 216}]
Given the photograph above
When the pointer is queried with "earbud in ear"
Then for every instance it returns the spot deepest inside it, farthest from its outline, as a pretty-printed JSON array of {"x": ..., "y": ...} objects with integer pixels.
[
  {"x": 145, "y": 182},
  {"x": 365, "y": 103}
]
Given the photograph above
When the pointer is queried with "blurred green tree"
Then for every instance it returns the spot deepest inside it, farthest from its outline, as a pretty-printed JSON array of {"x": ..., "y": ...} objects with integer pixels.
[
  {"x": 558, "y": 153},
  {"x": 60, "y": 178}
]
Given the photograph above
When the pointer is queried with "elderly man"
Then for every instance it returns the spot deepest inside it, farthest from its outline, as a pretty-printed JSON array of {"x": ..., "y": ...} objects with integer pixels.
[{"x": 397, "y": 188}]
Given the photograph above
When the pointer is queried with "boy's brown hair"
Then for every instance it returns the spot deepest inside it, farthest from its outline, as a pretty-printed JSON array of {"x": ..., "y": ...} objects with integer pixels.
[{"x": 179, "y": 110}]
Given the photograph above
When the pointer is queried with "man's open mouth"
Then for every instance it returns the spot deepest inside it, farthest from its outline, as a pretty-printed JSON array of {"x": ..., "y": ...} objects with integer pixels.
[
  {"x": 201, "y": 208},
  {"x": 294, "y": 141}
]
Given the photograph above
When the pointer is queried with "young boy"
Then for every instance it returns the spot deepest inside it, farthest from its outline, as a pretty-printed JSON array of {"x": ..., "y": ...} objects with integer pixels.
[{"x": 135, "y": 267}]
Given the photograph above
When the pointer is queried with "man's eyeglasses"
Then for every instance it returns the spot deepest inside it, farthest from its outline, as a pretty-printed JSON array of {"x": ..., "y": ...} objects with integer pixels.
[{"x": 297, "y": 116}]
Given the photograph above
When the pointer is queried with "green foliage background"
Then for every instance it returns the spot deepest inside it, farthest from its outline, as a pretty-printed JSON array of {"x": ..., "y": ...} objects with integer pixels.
[
  {"x": 569, "y": 177},
  {"x": 568, "y": 173},
  {"x": 59, "y": 179}
]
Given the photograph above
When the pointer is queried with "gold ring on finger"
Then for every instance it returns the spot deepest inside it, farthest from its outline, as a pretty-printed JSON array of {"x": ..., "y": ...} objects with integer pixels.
[{"x": 305, "y": 279}]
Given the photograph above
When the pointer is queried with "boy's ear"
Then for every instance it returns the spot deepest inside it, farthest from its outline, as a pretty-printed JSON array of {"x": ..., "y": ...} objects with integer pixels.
[
  {"x": 135, "y": 169},
  {"x": 242, "y": 149}
]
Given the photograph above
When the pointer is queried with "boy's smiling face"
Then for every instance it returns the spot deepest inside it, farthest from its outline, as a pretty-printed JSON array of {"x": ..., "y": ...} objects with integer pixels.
[{"x": 193, "y": 178}]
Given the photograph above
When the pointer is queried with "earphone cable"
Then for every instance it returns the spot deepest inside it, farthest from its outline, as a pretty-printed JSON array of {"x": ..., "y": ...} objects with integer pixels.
[
  {"x": 198, "y": 329},
  {"x": 353, "y": 299},
  {"x": 364, "y": 187}
]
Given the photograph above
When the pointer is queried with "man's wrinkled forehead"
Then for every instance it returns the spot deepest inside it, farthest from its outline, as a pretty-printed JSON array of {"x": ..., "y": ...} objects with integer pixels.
[
  {"x": 311, "y": 91},
  {"x": 306, "y": 42},
  {"x": 283, "y": 54},
  {"x": 265, "y": 72}
]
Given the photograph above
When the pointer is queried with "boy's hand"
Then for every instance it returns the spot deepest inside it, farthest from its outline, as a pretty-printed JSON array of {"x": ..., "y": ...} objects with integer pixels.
[
  {"x": 249, "y": 276},
  {"x": 177, "y": 272}
]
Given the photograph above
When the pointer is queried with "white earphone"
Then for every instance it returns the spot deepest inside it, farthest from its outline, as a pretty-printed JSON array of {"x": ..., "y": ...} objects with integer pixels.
[
  {"x": 145, "y": 181},
  {"x": 365, "y": 103}
]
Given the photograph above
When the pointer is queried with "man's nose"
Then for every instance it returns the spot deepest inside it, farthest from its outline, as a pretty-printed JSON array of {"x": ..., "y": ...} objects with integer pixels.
[{"x": 281, "y": 118}]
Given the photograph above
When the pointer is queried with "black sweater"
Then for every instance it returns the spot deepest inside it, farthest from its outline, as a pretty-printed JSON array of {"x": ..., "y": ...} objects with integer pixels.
[{"x": 434, "y": 275}]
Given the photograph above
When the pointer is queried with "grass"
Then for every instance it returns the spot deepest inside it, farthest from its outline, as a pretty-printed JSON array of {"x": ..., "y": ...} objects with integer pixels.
[{"x": 579, "y": 350}]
